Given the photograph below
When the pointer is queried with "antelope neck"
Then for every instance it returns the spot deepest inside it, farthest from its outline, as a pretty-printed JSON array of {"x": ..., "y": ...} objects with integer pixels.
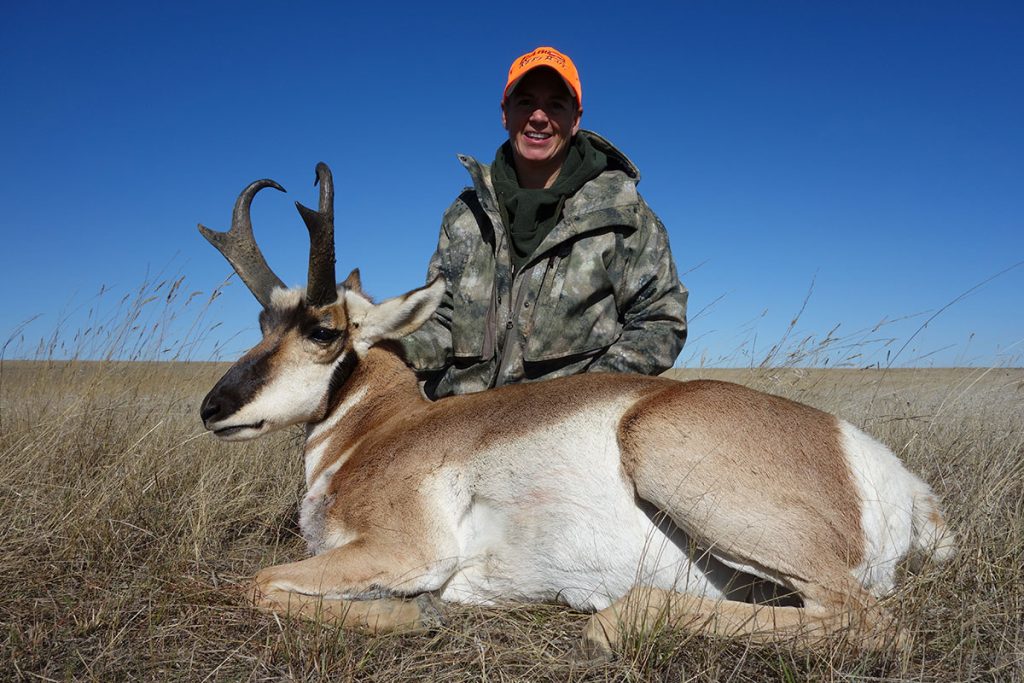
[{"x": 379, "y": 387}]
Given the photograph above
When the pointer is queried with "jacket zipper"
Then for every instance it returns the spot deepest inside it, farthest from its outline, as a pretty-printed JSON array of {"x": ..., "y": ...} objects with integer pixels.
[{"x": 503, "y": 360}]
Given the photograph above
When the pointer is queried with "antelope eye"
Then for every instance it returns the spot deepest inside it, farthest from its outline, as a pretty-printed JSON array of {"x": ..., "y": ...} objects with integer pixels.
[{"x": 323, "y": 335}]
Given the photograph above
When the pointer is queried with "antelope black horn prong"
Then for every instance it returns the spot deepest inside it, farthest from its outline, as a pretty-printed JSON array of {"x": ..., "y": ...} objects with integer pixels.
[
  {"x": 239, "y": 247},
  {"x": 321, "y": 286}
]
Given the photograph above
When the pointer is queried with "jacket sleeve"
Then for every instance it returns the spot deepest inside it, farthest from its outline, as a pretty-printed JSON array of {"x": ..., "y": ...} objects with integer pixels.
[
  {"x": 430, "y": 347},
  {"x": 652, "y": 305}
]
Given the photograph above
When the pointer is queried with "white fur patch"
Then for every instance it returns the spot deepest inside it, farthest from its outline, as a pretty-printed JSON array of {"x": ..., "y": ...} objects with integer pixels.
[
  {"x": 393, "y": 318},
  {"x": 887, "y": 491},
  {"x": 292, "y": 396},
  {"x": 313, "y": 456},
  {"x": 287, "y": 298},
  {"x": 312, "y": 520},
  {"x": 549, "y": 516},
  {"x": 313, "y": 511}
]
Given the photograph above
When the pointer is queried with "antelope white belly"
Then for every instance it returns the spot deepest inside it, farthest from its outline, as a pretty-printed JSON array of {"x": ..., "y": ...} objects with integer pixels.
[{"x": 562, "y": 524}]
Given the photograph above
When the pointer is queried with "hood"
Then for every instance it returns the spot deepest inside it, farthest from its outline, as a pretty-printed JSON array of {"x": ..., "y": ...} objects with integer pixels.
[
  {"x": 608, "y": 199},
  {"x": 617, "y": 160}
]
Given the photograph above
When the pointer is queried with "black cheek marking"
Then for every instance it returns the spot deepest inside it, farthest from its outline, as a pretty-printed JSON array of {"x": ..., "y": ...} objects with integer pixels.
[{"x": 341, "y": 375}]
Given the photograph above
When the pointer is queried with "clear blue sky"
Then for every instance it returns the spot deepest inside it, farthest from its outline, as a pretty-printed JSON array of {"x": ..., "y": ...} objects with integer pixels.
[{"x": 874, "y": 149}]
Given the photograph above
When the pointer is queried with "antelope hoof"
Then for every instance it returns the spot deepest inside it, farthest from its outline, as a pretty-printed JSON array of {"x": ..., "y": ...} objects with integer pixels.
[
  {"x": 598, "y": 643},
  {"x": 589, "y": 652},
  {"x": 431, "y": 616},
  {"x": 262, "y": 597},
  {"x": 261, "y": 591}
]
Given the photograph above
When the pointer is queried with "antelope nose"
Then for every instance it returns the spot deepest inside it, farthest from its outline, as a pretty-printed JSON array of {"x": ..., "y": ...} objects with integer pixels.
[{"x": 210, "y": 409}]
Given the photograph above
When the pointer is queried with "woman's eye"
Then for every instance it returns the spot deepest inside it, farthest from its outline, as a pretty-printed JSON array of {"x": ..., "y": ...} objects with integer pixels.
[{"x": 323, "y": 335}]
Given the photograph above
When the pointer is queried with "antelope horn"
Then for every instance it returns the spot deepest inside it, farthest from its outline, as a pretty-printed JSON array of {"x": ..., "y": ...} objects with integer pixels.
[
  {"x": 239, "y": 247},
  {"x": 321, "y": 286}
]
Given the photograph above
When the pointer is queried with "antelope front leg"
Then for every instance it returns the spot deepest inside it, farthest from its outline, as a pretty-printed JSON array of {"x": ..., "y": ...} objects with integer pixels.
[
  {"x": 381, "y": 615},
  {"x": 340, "y": 586}
]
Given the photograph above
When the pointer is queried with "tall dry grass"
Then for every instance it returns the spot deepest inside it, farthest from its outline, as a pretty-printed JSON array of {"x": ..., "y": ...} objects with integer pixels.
[{"x": 129, "y": 533}]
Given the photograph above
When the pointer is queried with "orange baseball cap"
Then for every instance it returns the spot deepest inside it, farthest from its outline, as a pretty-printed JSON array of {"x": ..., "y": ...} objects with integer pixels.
[{"x": 551, "y": 58}]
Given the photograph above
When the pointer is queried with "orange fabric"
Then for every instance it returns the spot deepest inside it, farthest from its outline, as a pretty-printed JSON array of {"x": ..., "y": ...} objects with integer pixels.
[{"x": 551, "y": 58}]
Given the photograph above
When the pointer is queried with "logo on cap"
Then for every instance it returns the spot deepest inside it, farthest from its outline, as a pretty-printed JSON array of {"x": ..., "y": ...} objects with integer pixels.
[{"x": 548, "y": 57}]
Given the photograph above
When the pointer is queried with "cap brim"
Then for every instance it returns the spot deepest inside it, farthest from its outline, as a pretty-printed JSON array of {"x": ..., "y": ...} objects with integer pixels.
[{"x": 512, "y": 86}]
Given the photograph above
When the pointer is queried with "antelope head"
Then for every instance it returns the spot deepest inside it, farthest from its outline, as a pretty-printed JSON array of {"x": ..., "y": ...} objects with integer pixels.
[{"x": 313, "y": 337}]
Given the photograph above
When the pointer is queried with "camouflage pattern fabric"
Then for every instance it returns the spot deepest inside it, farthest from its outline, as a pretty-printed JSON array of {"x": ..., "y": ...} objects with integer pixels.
[{"x": 600, "y": 293}]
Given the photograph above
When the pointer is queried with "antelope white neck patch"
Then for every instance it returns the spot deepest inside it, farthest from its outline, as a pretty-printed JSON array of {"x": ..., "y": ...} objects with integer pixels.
[{"x": 314, "y": 456}]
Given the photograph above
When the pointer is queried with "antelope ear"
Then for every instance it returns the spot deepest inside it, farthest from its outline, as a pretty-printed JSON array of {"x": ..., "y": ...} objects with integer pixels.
[
  {"x": 394, "y": 318},
  {"x": 353, "y": 282}
]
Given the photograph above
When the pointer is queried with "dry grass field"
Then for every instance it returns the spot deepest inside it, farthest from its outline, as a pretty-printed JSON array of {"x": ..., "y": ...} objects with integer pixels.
[{"x": 129, "y": 535}]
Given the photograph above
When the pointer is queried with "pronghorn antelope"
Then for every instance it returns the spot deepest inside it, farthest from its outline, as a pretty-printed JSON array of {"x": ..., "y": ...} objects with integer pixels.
[{"x": 705, "y": 505}]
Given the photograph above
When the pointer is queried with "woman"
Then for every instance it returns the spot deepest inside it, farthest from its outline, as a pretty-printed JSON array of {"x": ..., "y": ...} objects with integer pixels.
[{"x": 554, "y": 263}]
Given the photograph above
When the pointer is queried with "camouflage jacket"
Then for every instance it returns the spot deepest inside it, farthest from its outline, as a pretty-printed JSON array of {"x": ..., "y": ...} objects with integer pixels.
[{"x": 599, "y": 294}]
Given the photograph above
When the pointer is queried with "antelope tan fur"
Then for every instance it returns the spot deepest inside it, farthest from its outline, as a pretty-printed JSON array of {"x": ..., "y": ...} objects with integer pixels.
[{"x": 700, "y": 505}]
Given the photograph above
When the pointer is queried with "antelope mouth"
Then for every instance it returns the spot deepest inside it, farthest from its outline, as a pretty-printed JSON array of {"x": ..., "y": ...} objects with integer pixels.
[{"x": 239, "y": 431}]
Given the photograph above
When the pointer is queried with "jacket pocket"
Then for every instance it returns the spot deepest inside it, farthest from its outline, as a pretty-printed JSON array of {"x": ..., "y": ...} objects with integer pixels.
[{"x": 574, "y": 309}]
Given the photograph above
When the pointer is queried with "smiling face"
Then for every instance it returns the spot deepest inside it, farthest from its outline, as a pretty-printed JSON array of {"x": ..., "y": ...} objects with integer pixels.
[{"x": 541, "y": 116}]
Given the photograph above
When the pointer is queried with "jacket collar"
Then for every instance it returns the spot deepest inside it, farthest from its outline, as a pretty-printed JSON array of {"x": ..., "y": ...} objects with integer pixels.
[
  {"x": 609, "y": 199},
  {"x": 481, "y": 176}
]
